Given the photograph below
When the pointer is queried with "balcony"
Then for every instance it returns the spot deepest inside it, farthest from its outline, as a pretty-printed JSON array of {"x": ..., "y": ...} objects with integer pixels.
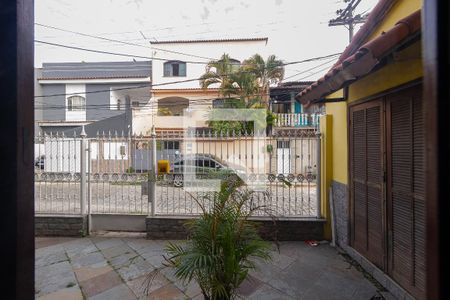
[{"x": 297, "y": 120}]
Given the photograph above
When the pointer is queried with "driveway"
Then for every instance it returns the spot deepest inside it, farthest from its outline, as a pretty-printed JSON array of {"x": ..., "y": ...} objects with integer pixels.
[{"x": 107, "y": 268}]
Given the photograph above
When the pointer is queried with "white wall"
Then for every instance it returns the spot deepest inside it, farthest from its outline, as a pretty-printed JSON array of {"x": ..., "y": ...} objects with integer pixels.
[
  {"x": 80, "y": 90},
  {"x": 236, "y": 50}
]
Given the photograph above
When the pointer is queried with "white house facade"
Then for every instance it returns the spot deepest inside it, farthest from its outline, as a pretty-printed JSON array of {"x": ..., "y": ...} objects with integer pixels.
[{"x": 176, "y": 69}]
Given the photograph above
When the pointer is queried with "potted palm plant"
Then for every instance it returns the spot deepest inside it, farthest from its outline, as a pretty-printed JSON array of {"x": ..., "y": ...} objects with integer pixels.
[{"x": 222, "y": 243}]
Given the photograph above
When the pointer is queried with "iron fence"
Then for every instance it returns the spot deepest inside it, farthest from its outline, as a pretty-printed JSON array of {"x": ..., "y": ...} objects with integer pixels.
[{"x": 119, "y": 171}]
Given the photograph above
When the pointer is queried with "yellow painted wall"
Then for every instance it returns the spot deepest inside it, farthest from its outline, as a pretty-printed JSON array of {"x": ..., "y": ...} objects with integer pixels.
[
  {"x": 338, "y": 111},
  {"x": 326, "y": 169},
  {"x": 407, "y": 68},
  {"x": 399, "y": 10}
]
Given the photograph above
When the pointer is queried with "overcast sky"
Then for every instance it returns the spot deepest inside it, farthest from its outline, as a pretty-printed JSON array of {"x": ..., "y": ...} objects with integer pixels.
[{"x": 297, "y": 29}]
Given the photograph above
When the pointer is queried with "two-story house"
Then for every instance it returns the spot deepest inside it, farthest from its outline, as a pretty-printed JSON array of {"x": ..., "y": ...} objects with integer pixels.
[
  {"x": 176, "y": 69},
  {"x": 98, "y": 95}
]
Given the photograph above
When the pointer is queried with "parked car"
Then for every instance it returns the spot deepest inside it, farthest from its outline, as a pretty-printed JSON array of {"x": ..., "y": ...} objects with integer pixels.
[
  {"x": 40, "y": 162},
  {"x": 203, "y": 166}
]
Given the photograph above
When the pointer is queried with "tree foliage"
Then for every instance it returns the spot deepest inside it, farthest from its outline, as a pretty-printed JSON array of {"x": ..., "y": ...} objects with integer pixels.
[{"x": 245, "y": 86}]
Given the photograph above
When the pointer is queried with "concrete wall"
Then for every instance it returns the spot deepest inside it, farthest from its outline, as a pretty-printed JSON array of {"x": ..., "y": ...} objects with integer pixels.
[
  {"x": 167, "y": 228},
  {"x": 134, "y": 223}
]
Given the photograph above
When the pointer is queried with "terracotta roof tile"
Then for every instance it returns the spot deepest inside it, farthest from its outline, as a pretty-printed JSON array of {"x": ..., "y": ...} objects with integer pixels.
[{"x": 364, "y": 58}]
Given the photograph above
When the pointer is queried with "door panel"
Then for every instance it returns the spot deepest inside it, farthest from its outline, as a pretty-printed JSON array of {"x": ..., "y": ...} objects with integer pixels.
[
  {"x": 366, "y": 164},
  {"x": 405, "y": 190}
]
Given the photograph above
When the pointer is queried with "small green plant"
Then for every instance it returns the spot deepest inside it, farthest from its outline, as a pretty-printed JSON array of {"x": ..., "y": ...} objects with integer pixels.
[
  {"x": 130, "y": 170},
  {"x": 222, "y": 245}
]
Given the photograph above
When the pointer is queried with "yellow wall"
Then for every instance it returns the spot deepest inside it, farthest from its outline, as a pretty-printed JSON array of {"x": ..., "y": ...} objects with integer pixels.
[
  {"x": 338, "y": 111},
  {"x": 405, "y": 67},
  {"x": 408, "y": 67},
  {"x": 399, "y": 10},
  {"x": 326, "y": 169}
]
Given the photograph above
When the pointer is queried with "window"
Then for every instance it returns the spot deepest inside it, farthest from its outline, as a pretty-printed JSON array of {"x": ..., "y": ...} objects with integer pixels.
[
  {"x": 174, "y": 69},
  {"x": 171, "y": 145},
  {"x": 76, "y": 103},
  {"x": 235, "y": 64},
  {"x": 135, "y": 103}
]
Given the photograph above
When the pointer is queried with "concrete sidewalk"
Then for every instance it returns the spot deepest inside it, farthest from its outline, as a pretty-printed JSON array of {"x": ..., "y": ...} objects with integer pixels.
[{"x": 108, "y": 268}]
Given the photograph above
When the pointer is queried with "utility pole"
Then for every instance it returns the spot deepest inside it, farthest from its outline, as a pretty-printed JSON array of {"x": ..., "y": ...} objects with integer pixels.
[{"x": 347, "y": 19}]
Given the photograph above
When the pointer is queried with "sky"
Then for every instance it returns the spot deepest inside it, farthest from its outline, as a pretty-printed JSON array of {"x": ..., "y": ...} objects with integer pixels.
[{"x": 297, "y": 29}]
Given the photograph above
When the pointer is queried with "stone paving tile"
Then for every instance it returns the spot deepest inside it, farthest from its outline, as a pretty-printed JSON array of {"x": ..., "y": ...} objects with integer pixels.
[
  {"x": 146, "y": 284},
  {"x": 191, "y": 289},
  {"x": 117, "y": 250},
  {"x": 332, "y": 286},
  {"x": 281, "y": 261},
  {"x": 79, "y": 247},
  {"x": 43, "y": 260},
  {"x": 138, "y": 244},
  {"x": 249, "y": 286},
  {"x": 45, "y": 242},
  {"x": 54, "y": 277},
  {"x": 122, "y": 260},
  {"x": 296, "y": 279},
  {"x": 155, "y": 260},
  {"x": 266, "y": 292},
  {"x": 119, "y": 292},
  {"x": 72, "y": 293},
  {"x": 169, "y": 291},
  {"x": 104, "y": 243},
  {"x": 88, "y": 272},
  {"x": 94, "y": 258},
  {"x": 264, "y": 271},
  {"x": 117, "y": 268},
  {"x": 136, "y": 268},
  {"x": 98, "y": 284}
]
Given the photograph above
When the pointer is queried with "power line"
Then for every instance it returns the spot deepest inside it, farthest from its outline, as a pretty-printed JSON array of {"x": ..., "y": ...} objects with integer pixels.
[
  {"x": 198, "y": 101},
  {"x": 307, "y": 70},
  {"x": 119, "y": 41},
  {"x": 166, "y": 59},
  {"x": 347, "y": 19},
  {"x": 318, "y": 71},
  {"x": 172, "y": 82},
  {"x": 113, "y": 53}
]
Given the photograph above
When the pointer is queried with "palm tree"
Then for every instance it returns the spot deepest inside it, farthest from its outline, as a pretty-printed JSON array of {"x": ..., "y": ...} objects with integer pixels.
[
  {"x": 218, "y": 72},
  {"x": 267, "y": 72},
  {"x": 244, "y": 85},
  {"x": 223, "y": 243}
]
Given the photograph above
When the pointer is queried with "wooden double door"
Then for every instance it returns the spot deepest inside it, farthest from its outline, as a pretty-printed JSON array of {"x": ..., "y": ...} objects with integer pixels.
[{"x": 387, "y": 185}]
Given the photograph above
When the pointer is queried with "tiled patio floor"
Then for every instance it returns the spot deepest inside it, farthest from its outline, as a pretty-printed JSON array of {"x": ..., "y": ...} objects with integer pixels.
[{"x": 108, "y": 268}]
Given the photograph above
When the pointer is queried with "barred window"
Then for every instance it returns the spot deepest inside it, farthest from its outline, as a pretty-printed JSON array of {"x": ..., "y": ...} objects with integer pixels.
[
  {"x": 174, "y": 69},
  {"x": 76, "y": 103}
]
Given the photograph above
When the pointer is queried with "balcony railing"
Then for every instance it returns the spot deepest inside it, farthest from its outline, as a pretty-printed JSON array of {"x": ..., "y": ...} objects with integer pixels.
[{"x": 297, "y": 120}]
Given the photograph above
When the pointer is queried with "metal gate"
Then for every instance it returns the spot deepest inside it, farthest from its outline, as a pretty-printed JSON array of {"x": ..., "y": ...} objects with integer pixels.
[{"x": 118, "y": 177}]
